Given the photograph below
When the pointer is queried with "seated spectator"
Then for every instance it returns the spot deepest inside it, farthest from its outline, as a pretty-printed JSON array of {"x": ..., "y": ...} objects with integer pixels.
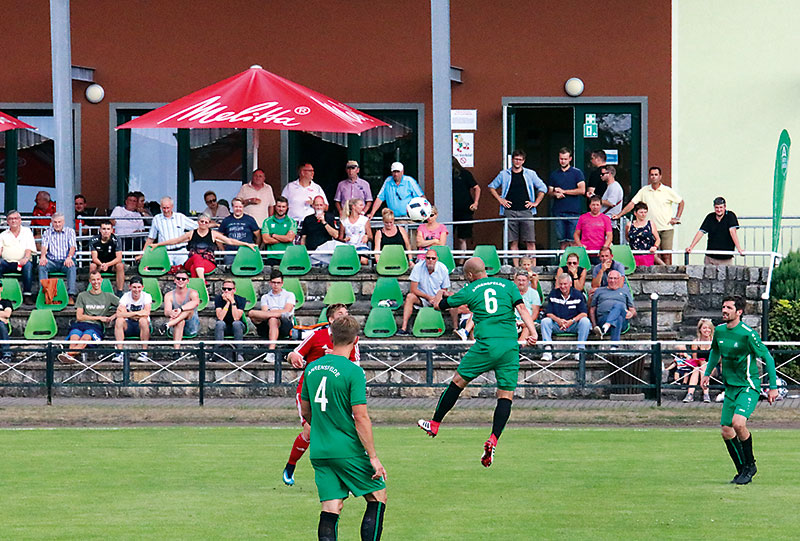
[
  {"x": 353, "y": 187},
  {"x": 612, "y": 306},
  {"x": 58, "y": 253},
  {"x": 127, "y": 221},
  {"x": 318, "y": 230},
  {"x": 81, "y": 211},
  {"x": 526, "y": 263},
  {"x": 274, "y": 318},
  {"x": 391, "y": 234},
  {"x": 530, "y": 297},
  {"x": 397, "y": 190},
  {"x": 229, "y": 308},
  {"x": 721, "y": 226},
  {"x": 213, "y": 208},
  {"x": 701, "y": 348},
  {"x": 426, "y": 281},
  {"x": 93, "y": 310},
  {"x": 43, "y": 207},
  {"x": 601, "y": 270},
  {"x": 278, "y": 231},
  {"x": 301, "y": 193},
  {"x": 566, "y": 313},
  {"x": 17, "y": 246},
  {"x": 6, "y": 307},
  {"x": 430, "y": 233},
  {"x": 133, "y": 317},
  {"x": 574, "y": 270},
  {"x": 170, "y": 225},
  {"x": 201, "y": 244},
  {"x": 144, "y": 208},
  {"x": 257, "y": 197},
  {"x": 355, "y": 229},
  {"x": 643, "y": 235},
  {"x": 239, "y": 226},
  {"x": 180, "y": 307},
  {"x": 594, "y": 228},
  {"x": 105, "y": 256}
]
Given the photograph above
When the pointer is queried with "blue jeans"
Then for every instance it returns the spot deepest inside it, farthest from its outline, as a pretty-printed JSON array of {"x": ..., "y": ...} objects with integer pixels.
[
  {"x": 565, "y": 229},
  {"x": 5, "y": 348},
  {"x": 615, "y": 318},
  {"x": 71, "y": 272},
  {"x": 27, "y": 272},
  {"x": 236, "y": 329},
  {"x": 581, "y": 327}
]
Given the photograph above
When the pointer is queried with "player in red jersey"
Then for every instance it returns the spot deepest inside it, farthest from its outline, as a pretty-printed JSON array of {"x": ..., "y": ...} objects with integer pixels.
[{"x": 312, "y": 348}]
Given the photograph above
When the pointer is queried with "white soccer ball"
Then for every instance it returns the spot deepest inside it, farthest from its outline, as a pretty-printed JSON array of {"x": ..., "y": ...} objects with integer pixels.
[{"x": 419, "y": 209}]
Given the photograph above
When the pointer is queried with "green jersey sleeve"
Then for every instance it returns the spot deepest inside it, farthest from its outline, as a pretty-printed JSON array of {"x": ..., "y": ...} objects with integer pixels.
[
  {"x": 760, "y": 350},
  {"x": 358, "y": 387}
]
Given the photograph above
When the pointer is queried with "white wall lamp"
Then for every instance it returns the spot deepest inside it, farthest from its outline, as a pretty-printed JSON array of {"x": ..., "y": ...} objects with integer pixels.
[{"x": 574, "y": 87}]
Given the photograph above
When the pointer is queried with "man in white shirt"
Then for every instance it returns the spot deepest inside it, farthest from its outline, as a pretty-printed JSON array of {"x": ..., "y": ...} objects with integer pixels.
[
  {"x": 301, "y": 193},
  {"x": 426, "y": 281},
  {"x": 612, "y": 197},
  {"x": 257, "y": 197},
  {"x": 169, "y": 225},
  {"x": 130, "y": 223},
  {"x": 16, "y": 246},
  {"x": 274, "y": 319},
  {"x": 133, "y": 317}
]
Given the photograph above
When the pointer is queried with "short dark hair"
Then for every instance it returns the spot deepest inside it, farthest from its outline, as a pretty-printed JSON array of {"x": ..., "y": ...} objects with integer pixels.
[
  {"x": 131, "y": 194},
  {"x": 344, "y": 331},
  {"x": 600, "y": 153},
  {"x": 610, "y": 169},
  {"x": 564, "y": 150},
  {"x": 136, "y": 280},
  {"x": 281, "y": 199},
  {"x": 138, "y": 194},
  {"x": 276, "y": 273},
  {"x": 80, "y": 196},
  {"x": 657, "y": 168},
  {"x": 737, "y": 300},
  {"x": 605, "y": 249},
  {"x": 104, "y": 222},
  {"x": 180, "y": 271},
  {"x": 595, "y": 198},
  {"x": 333, "y": 308},
  {"x": 638, "y": 206},
  {"x": 719, "y": 201},
  {"x": 519, "y": 152}
]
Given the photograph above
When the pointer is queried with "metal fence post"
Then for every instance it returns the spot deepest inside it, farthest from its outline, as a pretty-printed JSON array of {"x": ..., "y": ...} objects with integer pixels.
[
  {"x": 765, "y": 316},
  {"x": 201, "y": 377},
  {"x": 653, "y": 316},
  {"x": 278, "y": 367},
  {"x": 582, "y": 369},
  {"x": 429, "y": 368},
  {"x": 49, "y": 369},
  {"x": 655, "y": 369},
  {"x": 505, "y": 234},
  {"x": 685, "y": 258}
]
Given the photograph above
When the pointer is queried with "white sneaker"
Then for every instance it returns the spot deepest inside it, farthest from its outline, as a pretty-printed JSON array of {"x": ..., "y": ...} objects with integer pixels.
[
  {"x": 597, "y": 330},
  {"x": 118, "y": 358},
  {"x": 66, "y": 358},
  {"x": 547, "y": 356},
  {"x": 462, "y": 333},
  {"x": 144, "y": 357},
  {"x": 270, "y": 357},
  {"x": 239, "y": 358},
  {"x": 720, "y": 397}
]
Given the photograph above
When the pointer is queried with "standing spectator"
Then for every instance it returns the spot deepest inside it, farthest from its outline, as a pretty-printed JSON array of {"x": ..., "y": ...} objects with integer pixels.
[
  {"x": 301, "y": 193},
  {"x": 273, "y": 319},
  {"x": 606, "y": 265},
  {"x": 721, "y": 226},
  {"x": 596, "y": 185},
  {"x": 58, "y": 253},
  {"x": 213, "y": 208},
  {"x": 257, "y": 197},
  {"x": 238, "y": 226},
  {"x": 566, "y": 313},
  {"x": 105, "y": 256},
  {"x": 318, "y": 228},
  {"x": 567, "y": 187},
  {"x": 127, "y": 221},
  {"x": 180, "y": 307},
  {"x": 642, "y": 234},
  {"x": 574, "y": 270},
  {"x": 278, "y": 231},
  {"x": 94, "y": 309},
  {"x": 466, "y": 195},
  {"x": 17, "y": 245},
  {"x": 355, "y": 229},
  {"x": 229, "y": 308},
  {"x": 170, "y": 225},
  {"x": 431, "y": 233},
  {"x": 612, "y": 197},
  {"x": 81, "y": 211},
  {"x": 611, "y": 307},
  {"x": 521, "y": 191},
  {"x": 43, "y": 207},
  {"x": 390, "y": 234},
  {"x": 426, "y": 282},
  {"x": 594, "y": 229},
  {"x": 659, "y": 199},
  {"x": 133, "y": 317},
  {"x": 6, "y": 307},
  {"x": 353, "y": 187},
  {"x": 397, "y": 190},
  {"x": 530, "y": 297}
]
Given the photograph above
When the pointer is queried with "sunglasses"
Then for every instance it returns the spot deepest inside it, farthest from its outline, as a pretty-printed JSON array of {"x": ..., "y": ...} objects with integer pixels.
[
  {"x": 228, "y": 289},
  {"x": 430, "y": 258},
  {"x": 208, "y": 202},
  {"x": 180, "y": 279},
  {"x": 352, "y": 167},
  {"x": 277, "y": 282}
]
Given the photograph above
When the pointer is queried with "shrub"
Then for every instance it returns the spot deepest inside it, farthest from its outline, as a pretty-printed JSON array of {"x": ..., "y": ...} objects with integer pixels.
[
  {"x": 786, "y": 279},
  {"x": 784, "y": 326}
]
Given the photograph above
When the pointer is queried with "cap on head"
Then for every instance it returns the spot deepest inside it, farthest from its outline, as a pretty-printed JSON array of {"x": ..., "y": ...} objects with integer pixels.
[
  {"x": 351, "y": 163},
  {"x": 397, "y": 166}
]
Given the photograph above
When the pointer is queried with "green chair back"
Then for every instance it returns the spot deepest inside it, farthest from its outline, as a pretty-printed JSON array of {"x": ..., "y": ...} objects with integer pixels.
[
  {"x": 244, "y": 288},
  {"x": 41, "y": 325},
  {"x": 380, "y": 323},
  {"x": 60, "y": 301},
  {"x": 387, "y": 288},
  {"x": 199, "y": 285},
  {"x": 12, "y": 292},
  {"x": 429, "y": 323},
  {"x": 344, "y": 261},
  {"x": 393, "y": 261},
  {"x": 488, "y": 252},
  {"x": 446, "y": 257},
  {"x": 539, "y": 291},
  {"x": 151, "y": 286},
  {"x": 154, "y": 262},
  {"x": 622, "y": 254},
  {"x": 583, "y": 257},
  {"x": 295, "y": 261},
  {"x": 246, "y": 327},
  {"x": 107, "y": 287},
  {"x": 323, "y": 316},
  {"x": 247, "y": 262},
  {"x": 293, "y": 284},
  {"x": 339, "y": 292}
]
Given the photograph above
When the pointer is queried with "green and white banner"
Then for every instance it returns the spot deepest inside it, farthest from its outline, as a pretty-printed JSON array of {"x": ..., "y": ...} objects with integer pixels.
[{"x": 779, "y": 186}]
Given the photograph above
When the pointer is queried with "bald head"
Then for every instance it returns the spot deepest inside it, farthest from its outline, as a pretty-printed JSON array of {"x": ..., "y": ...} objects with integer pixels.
[{"x": 474, "y": 269}]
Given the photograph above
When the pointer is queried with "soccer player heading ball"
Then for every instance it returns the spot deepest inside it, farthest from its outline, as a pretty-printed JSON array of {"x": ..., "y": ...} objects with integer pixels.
[
  {"x": 493, "y": 302},
  {"x": 739, "y": 346}
]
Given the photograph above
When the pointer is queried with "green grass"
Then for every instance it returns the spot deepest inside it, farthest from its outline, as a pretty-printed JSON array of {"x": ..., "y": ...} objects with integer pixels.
[{"x": 224, "y": 483}]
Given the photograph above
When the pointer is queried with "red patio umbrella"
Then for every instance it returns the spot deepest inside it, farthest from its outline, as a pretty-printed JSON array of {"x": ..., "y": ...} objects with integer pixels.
[
  {"x": 10, "y": 123},
  {"x": 257, "y": 99}
]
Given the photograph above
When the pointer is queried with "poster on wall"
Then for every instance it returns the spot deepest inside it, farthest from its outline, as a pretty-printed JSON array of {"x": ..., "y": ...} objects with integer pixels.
[
  {"x": 464, "y": 119},
  {"x": 464, "y": 149}
]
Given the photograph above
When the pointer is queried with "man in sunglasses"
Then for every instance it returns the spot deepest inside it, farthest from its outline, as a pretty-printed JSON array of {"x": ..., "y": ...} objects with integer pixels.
[
  {"x": 426, "y": 281},
  {"x": 213, "y": 208},
  {"x": 230, "y": 311},
  {"x": 353, "y": 187},
  {"x": 180, "y": 306}
]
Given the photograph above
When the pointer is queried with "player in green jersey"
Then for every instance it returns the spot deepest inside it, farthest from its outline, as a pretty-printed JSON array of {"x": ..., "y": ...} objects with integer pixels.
[
  {"x": 739, "y": 347},
  {"x": 334, "y": 403},
  {"x": 493, "y": 302}
]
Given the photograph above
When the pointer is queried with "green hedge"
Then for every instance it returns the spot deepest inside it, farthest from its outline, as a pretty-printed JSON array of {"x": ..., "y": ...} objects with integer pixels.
[{"x": 786, "y": 279}]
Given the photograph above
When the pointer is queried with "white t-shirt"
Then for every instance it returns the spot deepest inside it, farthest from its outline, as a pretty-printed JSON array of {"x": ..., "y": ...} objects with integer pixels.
[
  {"x": 126, "y": 227},
  {"x": 14, "y": 246},
  {"x": 134, "y": 306},
  {"x": 614, "y": 195},
  {"x": 300, "y": 199},
  {"x": 354, "y": 232},
  {"x": 271, "y": 301}
]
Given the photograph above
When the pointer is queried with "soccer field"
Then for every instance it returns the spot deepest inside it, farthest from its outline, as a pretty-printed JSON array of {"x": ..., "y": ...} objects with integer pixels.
[{"x": 225, "y": 483}]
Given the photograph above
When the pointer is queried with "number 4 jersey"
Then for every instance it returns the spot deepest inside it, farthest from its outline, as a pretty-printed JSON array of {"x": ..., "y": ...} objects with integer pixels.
[
  {"x": 333, "y": 385},
  {"x": 492, "y": 302}
]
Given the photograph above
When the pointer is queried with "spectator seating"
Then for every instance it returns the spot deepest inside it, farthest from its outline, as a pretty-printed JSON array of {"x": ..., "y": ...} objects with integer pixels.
[
  {"x": 12, "y": 292},
  {"x": 244, "y": 288},
  {"x": 293, "y": 284},
  {"x": 446, "y": 257},
  {"x": 41, "y": 325},
  {"x": 154, "y": 262},
  {"x": 107, "y": 287},
  {"x": 380, "y": 323},
  {"x": 247, "y": 262},
  {"x": 488, "y": 253},
  {"x": 295, "y": 261},
  {"x": 199, "y": 285},
  {"x": 340, "y": 292},
  {"x": 583, "y": 257},
  {"x": 387, "y": 288},
  {"x": 429, "y": 323},
  {"x": 345, "y": 261},
  {"x": 60, "y": 301},
  {"x": 622, "y": 253},
  {"x": 393, "y": 261},
  {"x": 151, "y": 286}
]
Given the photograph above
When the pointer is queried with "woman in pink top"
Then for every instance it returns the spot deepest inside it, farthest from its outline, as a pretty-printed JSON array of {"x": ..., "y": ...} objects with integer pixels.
[
  {"x": 594, "y": 228},
  {"x": 430, "y": 234}
]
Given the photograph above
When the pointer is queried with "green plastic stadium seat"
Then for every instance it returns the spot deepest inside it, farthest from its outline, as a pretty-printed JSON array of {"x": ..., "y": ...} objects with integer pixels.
[
  {"x": 12, "y": 292},
  {"x": 622, "y": 253},
  {"x": 344, "y": 261},
  {"x": 323, "y": 316},
  {"x": 295, "y": 261},
  {"x": 387, "y": 288},
  {"x": 294, "y": 285},
  {"x": 60, "y": 301},
  {"x": 583, "y": 257},
  {"x": 151, "y": 286},
  {"x": 247, "y": 262},
  {"x": 393, "y": 261},
  {"x": 380, "y": 323},
  {"x": 488, "y": 253},
  {"x": 41, "y": 325},
  {"x": 339, "y": 292},
  {"x": 446, "y": 257},
  {"x": 244, "y": 288},
  {"x": 429, "y": 323},
  {"x": 199, "y": 285},
  {"x": 107, "y": 287},
  {"x": 154, "y": 262}
]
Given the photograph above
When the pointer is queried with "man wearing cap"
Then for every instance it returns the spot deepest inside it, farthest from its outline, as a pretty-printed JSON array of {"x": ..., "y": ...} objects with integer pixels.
[
  {"x": 353, "y": 187},
  {"x": 397, "y": 191}
]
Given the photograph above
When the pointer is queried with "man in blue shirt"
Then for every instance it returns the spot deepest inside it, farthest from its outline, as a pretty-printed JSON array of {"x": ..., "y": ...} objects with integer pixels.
[
  {"x": 612, "y": 307},
  {"x": 426, "y": 281},
  {"x": 397, "y": 191},
  {"x": 566, "y": 313},
  {"x": 567, "y": 185}
]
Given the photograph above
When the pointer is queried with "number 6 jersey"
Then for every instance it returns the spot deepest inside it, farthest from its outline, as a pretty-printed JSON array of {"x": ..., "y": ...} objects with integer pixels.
[{"x": 492, "y": 302}]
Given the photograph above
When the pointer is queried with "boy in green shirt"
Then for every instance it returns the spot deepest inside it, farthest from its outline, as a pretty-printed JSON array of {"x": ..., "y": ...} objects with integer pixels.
[{"x": 739, "y": 347}]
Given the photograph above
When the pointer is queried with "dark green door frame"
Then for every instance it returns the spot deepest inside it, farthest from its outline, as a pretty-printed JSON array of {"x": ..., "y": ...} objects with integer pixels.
[{"x": 12, "y": 170}]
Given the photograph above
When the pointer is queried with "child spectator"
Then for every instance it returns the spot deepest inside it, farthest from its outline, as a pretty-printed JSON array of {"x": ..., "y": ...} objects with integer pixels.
[{"x": 431, "y": 233}]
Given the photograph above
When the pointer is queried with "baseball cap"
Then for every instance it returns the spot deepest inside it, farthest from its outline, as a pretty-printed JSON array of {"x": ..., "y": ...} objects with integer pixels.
[
  {"x": 397, "y": 166},
  {"x": 136, "y": 280},
  {"x": 352, "y": 163}
]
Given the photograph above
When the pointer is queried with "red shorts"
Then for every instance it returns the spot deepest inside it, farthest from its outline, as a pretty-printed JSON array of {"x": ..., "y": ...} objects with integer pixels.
[{"x": 197, "y": 261}]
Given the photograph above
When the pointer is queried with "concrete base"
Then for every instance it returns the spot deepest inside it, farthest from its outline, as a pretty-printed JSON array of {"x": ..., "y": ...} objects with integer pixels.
[{"x": 636, "y": 397}]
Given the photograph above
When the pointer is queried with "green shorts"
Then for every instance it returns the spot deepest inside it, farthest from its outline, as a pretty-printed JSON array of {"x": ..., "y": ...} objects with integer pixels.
[
  {"x": 336, "y": 478},
  {"x": 738, "y": 401},
  {"x": 502, "y": 356}
]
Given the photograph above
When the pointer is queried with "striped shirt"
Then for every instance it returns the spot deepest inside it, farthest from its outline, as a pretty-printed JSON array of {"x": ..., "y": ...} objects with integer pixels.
[
  {"x": 164, "y": 228},
  {"x": 58, "y": 243}
]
